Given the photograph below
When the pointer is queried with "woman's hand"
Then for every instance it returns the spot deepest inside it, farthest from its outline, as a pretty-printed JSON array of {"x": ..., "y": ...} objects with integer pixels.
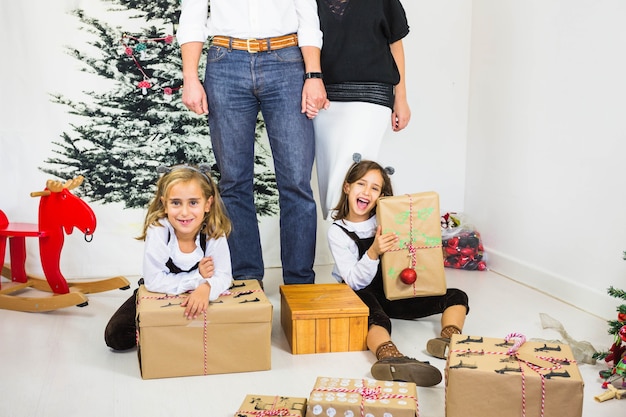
[
  {"x": 401, "y": 115},
  {"x": 314, "y": 97}
]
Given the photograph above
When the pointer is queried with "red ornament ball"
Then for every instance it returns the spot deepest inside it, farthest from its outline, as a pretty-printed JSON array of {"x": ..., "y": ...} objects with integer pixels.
[{"x": 408, "y": 276}]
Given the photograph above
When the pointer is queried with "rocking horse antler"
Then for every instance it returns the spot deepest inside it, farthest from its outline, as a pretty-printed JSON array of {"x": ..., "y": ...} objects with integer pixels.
[{"x": 55, "y": 186}]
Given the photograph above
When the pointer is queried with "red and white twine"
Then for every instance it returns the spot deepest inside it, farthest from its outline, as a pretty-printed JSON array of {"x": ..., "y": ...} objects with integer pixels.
[
  {"x": 513, "y": 352},
  {"x": 410, "y": 246},
  {"x": 204, "y": 326},
  {"x": 281, "y": 412},
  {"x": 367, "y": 393}
]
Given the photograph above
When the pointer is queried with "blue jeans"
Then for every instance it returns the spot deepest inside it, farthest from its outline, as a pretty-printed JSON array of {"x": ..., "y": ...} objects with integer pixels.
[{"x": 239, "y": 84}]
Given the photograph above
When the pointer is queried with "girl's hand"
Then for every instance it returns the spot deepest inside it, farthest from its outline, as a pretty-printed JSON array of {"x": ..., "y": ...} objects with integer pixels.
[
  {"x": 382, "y": 243},
  {"x": 197, "y": 302},
  {"x": 206, "y": 267}
]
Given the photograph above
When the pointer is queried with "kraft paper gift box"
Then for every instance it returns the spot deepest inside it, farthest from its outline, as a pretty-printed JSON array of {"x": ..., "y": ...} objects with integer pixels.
[
  {"x": 320, "y": 318},
  {"x": 416, "y": 220},
  {"x": 267, "y": 405},
  {"x": 484, "y": 380},
  {"x": 362, "y": 397},
  {"x": 233, "y": 336}
]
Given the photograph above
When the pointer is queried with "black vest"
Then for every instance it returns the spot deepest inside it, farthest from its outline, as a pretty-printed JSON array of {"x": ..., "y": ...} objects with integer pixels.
[{"x": 175, "y": 269}]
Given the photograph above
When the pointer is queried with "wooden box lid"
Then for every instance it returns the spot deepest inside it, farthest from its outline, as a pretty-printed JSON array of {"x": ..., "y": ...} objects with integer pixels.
[{"x": 313, "y": 301}]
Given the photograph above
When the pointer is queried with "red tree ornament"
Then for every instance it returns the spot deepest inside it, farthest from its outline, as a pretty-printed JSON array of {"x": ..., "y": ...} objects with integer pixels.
[{"x": 408, "y": 276}]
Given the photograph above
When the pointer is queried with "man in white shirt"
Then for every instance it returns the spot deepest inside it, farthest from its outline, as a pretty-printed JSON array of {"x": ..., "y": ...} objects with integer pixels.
[{"x": 264, "y": 55}]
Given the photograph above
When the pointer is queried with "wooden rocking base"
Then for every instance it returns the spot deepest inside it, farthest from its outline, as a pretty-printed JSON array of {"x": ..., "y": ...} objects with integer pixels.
[
  {"x": 8, "y": 301},
  {"x": 76, "y": 296}
]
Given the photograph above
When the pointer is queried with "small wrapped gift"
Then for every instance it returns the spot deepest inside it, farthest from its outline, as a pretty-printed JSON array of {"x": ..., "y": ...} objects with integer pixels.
[
  {"x": 415, "y": 267},
  {"x": 362, "y": 397},
  {"x": 266, "y": 406},
  {"x": 488, "y": 377}
]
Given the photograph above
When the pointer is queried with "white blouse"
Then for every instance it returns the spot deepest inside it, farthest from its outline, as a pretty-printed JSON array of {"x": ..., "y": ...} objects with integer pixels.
[
  {"x": 161, "y": 244},
  {"x": 357, "y": 273}
]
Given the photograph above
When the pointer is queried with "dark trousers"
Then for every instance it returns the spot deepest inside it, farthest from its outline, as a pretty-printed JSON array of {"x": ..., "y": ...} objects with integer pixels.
[
  {"x": 382, "y": 309},
  {"x": 121, "y": 330}
]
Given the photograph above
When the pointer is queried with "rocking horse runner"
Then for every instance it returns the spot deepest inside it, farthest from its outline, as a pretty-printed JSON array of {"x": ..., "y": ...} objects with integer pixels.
[{"x": 59, "y": 211}]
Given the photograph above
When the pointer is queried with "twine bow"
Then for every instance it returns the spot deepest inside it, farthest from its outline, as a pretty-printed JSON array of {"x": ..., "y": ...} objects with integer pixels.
[{"x": 513, "y": 352}]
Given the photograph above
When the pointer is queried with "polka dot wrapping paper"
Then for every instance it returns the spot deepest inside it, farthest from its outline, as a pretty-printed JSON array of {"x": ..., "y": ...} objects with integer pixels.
[{"x": 345, "y": 397}]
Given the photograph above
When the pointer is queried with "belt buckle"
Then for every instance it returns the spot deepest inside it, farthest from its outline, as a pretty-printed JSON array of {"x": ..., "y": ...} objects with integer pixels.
[{"x": 248, "y": 46}]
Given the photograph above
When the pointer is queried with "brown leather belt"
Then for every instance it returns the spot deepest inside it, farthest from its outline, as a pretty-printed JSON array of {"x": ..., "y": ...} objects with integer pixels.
[{"x": 256, "y": 45}]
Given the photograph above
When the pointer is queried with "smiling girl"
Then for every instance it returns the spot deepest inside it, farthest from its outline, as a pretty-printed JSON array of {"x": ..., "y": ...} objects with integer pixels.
[
  {"x": 186, "y": 250},
  {"x": 356, "y": 243}
]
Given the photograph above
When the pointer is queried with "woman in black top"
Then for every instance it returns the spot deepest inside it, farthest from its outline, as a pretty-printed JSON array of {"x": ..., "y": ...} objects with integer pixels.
[{"x": 363, "y": 71}]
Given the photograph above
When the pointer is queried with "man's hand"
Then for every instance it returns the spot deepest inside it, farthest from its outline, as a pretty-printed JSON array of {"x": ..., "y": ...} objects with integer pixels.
[
  {"x": 194, "y": 97},
  {"x": 314, "y": 97}
]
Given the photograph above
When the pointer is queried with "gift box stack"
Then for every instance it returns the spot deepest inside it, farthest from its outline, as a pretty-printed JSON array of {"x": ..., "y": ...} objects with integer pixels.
[
  {"x": 234, "y": 335},
  {"x": 415, "y": 219},
  {"x": 490, "y": 377},
  {"x": 362, "y": 397}
]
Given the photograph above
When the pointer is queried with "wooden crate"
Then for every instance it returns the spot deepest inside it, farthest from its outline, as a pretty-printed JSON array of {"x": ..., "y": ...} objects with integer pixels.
[{"x": 319, "y": 318}]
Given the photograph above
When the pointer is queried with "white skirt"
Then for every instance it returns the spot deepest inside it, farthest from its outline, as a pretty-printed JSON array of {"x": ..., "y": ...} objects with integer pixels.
[{"x": 343, "y": 129}]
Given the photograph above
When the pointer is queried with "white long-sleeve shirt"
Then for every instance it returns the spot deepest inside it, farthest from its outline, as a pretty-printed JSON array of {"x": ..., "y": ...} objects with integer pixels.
[
  {"x": 357, "y": 273},
  {"x": 250, "y": 19},
  {"x": 161, "y": 244}
]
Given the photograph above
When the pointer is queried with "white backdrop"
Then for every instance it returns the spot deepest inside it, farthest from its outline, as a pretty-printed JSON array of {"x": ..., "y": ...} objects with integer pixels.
[
  {"x": 546, "y": 141},
  {"x": 428, "y": 155}
]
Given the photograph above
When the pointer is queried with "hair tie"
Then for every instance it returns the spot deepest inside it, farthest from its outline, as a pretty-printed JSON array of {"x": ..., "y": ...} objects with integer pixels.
[
  {"x": 162, "y": 169},
  {"x": 356, "y": 157}
]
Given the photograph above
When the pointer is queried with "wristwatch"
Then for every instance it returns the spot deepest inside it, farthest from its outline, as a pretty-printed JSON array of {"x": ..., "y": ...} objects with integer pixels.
[{"x": 313, "y": 75}]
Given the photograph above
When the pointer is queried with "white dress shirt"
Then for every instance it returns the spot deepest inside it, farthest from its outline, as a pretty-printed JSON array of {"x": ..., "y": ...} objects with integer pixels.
[
  {"x": 357, "y": 273},
  {"x": 249, "y": 19},
  {"x": 161, "y": 244}
]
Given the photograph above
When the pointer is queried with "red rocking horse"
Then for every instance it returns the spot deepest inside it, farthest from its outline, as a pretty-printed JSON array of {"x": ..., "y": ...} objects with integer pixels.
[{"x": 59, "y": 211}]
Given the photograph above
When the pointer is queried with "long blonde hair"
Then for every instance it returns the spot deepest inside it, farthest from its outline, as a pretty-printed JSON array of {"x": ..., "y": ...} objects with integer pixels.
[{"x": 216, "y": 222}]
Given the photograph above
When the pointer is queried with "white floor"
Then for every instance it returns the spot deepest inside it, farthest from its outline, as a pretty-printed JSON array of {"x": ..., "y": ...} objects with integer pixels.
[{"x": 56, "y": 364}]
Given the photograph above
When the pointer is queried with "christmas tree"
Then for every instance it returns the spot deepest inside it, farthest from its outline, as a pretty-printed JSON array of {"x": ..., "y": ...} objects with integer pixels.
[
  {"x": 139, "y": 123},
  {"x": 614, "y": 357}
]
